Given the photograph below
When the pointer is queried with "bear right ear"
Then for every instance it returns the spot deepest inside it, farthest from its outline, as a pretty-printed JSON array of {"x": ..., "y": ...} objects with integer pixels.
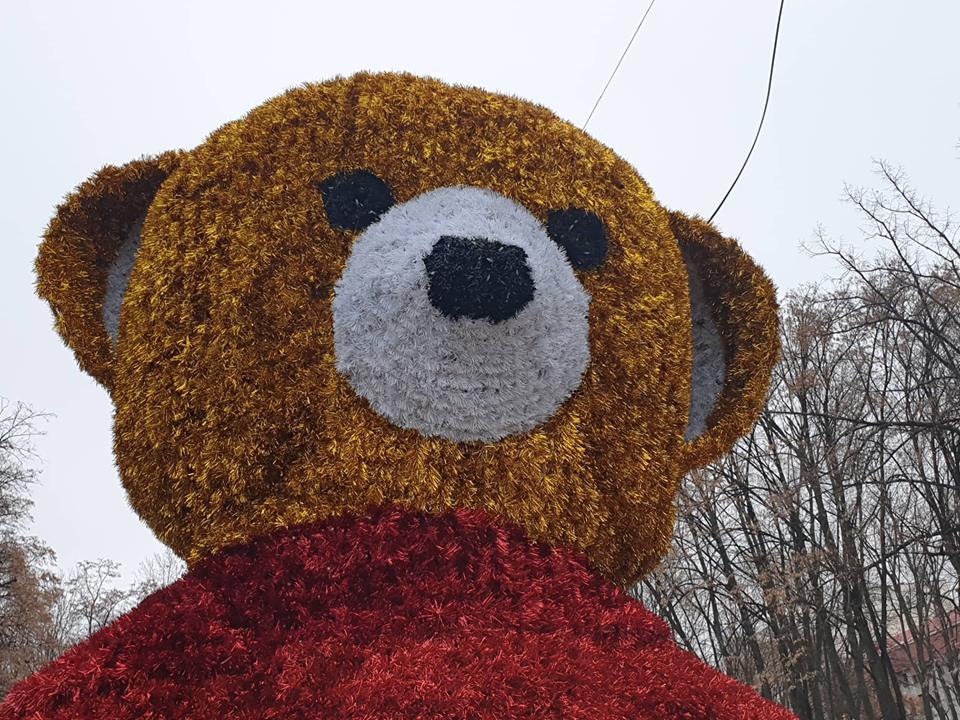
[
  {"x": 88, "y": 253},
  {"x": 736, "y": 339}
]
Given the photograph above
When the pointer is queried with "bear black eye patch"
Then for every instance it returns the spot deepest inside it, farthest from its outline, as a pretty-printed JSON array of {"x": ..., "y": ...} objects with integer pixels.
[
  {"x": 355, "y": 199},
  {"x": 581, "y": 234}
]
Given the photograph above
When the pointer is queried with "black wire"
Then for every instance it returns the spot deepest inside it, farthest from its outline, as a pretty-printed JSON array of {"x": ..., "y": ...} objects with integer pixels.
[
  {"x": 625, "y": 51},
  {"x": 766, "y": 102}
]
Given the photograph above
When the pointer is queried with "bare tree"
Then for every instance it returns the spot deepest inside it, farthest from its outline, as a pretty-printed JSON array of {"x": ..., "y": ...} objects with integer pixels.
[
  {"x": 17, "y": 430},
  {"x": 91, "y": 600},
  {"x": 156, "y": 572},
  {"x": 819, "y": 561},
  {"x": 28, "y": 588},
  {"x": 41, "y": 613}
]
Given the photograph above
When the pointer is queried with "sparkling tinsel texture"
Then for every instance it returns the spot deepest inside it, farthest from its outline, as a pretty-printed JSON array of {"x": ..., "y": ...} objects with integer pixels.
[
  {"x": 232, "y": 419},
  {"x": 394, "y": 614}
]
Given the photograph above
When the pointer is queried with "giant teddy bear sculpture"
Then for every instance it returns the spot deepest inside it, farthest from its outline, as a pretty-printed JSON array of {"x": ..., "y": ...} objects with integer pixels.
[{"x": 409, "y": 374}]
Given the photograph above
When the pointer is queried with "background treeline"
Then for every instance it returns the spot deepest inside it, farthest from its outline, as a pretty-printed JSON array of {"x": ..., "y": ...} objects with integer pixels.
[
  {"x": 42, "y": 613},
  {"x": 801, "y": 562},
  {"x": 805, "y": 560}
]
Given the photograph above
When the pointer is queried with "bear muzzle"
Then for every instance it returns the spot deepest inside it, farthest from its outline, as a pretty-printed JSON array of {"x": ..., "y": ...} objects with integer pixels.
[{"x": 458, "y": 316}]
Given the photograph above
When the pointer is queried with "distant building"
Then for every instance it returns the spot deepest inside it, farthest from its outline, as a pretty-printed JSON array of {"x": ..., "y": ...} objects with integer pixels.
[{"x": 929, "y": 665}]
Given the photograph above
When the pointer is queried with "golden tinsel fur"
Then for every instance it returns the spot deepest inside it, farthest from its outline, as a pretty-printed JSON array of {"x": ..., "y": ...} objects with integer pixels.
[{"x": 231, "y": 418}]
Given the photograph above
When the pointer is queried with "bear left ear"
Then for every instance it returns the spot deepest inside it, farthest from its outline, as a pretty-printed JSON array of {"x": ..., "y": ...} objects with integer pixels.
[
  {"x": 736, "y": 339},
  {"x": 88, "y": 253}
]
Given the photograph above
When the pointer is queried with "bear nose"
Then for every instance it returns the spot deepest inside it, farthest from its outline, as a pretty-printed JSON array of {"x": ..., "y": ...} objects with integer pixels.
[{"x": 477, "y": 278}]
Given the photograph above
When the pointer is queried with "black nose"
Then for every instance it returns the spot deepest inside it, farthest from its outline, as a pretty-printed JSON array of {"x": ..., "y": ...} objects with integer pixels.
[{"x": 478, "y": 278}]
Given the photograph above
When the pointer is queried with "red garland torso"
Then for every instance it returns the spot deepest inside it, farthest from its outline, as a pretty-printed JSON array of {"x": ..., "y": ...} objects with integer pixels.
[{"x": 397, "y": 614}]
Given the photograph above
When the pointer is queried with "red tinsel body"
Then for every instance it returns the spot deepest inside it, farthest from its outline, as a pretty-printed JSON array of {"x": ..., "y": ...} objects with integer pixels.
[{"x": 393, "y": 615}]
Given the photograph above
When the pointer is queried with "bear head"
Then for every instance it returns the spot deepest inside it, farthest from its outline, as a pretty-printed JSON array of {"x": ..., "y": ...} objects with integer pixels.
[{"x": 384, "y": 289}]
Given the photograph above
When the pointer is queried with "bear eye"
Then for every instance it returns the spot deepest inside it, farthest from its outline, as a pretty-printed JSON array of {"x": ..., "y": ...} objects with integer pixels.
[
  {"x": 581, "y": 234},
  {"x": 355, "y": 199}
]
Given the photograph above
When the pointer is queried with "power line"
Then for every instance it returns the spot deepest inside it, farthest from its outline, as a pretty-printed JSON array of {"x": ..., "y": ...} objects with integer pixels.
[
  {"x": 773, "y": 60},
  {"x": 625, "y": 51}
]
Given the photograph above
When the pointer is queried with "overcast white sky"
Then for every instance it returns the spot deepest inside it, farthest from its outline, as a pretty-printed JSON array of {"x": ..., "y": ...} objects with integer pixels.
[{"x": 90, "y": 83}]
